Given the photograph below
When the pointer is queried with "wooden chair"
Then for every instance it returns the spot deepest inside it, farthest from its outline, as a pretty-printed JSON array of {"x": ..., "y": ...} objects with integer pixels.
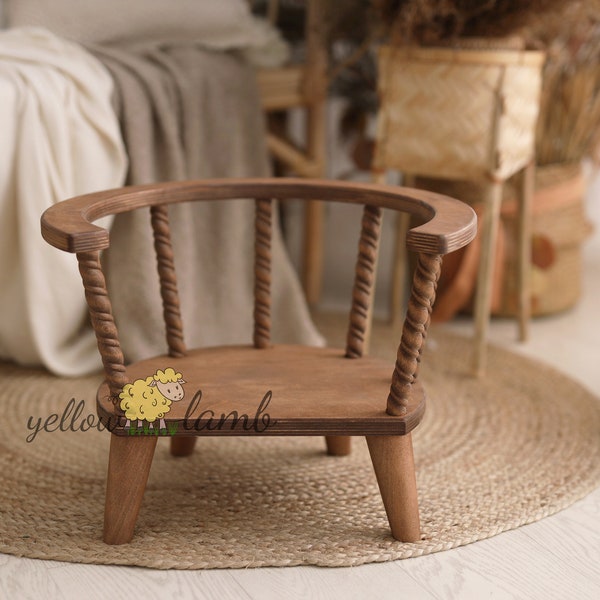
[{"x": 290, "y": 390}]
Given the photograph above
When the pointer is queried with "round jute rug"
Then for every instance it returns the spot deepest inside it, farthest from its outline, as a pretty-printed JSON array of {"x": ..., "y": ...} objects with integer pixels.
[{"x": 491, "y": 454}]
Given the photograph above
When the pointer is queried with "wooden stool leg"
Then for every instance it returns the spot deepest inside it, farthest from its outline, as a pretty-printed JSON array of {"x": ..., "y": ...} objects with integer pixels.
[
  {"x": 483, "y": 299},
  {"x": 338, "y": 445},
  {"x": 400, "y": 262},
  {"x": 399, "y": 271},
  {"x": 182, "y": 446},
  {"x": 312, "y": 268},
  {"x": 315, "y": 94},
  {"x": 128, "y": 467},
  {"x": 524, "y": 271},
  {"x": 393, "y": 461}
]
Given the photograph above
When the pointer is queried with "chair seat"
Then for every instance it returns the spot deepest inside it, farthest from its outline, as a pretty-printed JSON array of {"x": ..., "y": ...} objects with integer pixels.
[{"x": 280, "y": 390}]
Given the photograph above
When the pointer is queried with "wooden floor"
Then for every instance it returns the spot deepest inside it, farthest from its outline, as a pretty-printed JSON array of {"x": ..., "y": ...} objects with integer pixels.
[{"x": 558, "y": 557}]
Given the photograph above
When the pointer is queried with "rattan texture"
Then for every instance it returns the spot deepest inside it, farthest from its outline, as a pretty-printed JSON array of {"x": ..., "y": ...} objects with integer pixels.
[
  {"x": 456, "y": 113},
  {"x": 491, "y": 455}
]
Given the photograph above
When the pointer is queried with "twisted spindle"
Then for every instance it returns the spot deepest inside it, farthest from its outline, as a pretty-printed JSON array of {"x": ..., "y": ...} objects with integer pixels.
[
  {"x": 364, "y": 279},
  {"x": 168, "y": 280},
  {"x": 262, "y": 273},
  {"x": 102, "y": 321},
  {"x": 414, "y": 332}
]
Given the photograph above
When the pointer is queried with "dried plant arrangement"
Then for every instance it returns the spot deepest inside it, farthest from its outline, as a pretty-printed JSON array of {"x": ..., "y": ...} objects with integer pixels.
[
  {"x": 427, "y": 22},
  {"x": 569, "y": 122},
  {"x": 569, "y": 32}
]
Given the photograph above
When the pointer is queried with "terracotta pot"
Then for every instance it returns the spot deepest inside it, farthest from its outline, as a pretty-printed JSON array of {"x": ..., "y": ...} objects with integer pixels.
[{"x": 559, "y": 228}]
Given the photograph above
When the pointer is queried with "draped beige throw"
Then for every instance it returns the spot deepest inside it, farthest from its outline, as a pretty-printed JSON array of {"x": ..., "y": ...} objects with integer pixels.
[{"x": 189, "y": 113}]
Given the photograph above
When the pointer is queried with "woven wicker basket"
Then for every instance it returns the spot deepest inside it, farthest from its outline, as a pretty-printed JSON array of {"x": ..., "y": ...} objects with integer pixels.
[
  {"x": 559, "y": 228},
  {"x": 457, "y": 113}
]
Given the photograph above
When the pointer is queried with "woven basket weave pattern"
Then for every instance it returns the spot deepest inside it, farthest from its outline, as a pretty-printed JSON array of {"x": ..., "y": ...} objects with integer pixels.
[
  {"x": 558, "y": 216},
  {"x": 557, "y": 286},
  {"x": 454, "y": 119},
  {"x": 520, "y": 97}
]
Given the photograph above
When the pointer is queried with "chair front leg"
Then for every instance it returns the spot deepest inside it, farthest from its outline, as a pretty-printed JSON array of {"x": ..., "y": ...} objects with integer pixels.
[
  {"x": 128, "y": 468},
  {"x": 393, "y": 462}
]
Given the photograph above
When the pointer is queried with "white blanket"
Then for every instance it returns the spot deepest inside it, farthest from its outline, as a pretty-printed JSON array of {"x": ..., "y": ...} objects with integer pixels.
[{"x": 59, "y": 138}]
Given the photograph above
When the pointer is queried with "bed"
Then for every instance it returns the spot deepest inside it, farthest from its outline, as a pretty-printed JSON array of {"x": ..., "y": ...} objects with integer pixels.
[{"x": 189, "y": 108}]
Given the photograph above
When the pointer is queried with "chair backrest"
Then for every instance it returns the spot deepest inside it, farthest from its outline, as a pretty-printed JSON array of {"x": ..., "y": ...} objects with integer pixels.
[{"x": 448, "y": 225}]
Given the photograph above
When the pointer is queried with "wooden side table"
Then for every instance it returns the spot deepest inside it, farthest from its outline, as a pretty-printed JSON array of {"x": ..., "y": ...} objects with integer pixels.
[
  {"x": 463, "y": 114},
  {"x": 303, "y": 86}
]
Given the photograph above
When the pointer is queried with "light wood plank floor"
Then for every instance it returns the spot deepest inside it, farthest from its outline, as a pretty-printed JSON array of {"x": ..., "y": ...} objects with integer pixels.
[{"x": 558, "y": 557}]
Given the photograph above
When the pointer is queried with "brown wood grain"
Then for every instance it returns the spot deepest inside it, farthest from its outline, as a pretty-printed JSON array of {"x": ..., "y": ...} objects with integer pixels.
[
  {"x": 364, "y": 281},
  {"x": 449, "y": 224},
  {"x": 313, "y": 391},
  {"x": 414, "y": 332},
  {"x": 128, "y": 468},
  {"x": 168, "y": 279},
  {"x": 262, "y": 389},
  {"x": 100, "y": 310},
  {"x": 394, "y": 466},
  {"x": 262, "y": 274}
]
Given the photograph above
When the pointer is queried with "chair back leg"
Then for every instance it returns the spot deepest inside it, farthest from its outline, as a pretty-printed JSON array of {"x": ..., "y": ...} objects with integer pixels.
[
  {"x": 338, "y": 445},
  {"x": 182, "y": 446}
]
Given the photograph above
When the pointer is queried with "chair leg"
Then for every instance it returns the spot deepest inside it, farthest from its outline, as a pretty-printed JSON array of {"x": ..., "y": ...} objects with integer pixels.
[
  {"x": 182, "y": 446},
  {"x": 399, "y": 271},
  {"x": 312, "y": 268},
  {"x": 128, "y": 467},
  {"x": 524, "y": 271},
  {"x": 483, "y": 298},
  {"x": 338, "y": 445},
  {"x": 394, "y": 466}
]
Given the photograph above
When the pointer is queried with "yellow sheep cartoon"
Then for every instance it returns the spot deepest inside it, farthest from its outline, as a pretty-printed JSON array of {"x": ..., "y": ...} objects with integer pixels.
[{"x": 151, "y": 398}]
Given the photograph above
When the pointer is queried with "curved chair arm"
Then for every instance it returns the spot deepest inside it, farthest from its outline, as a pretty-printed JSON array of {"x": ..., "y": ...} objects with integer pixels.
[{"x": 449, "y": 225}]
